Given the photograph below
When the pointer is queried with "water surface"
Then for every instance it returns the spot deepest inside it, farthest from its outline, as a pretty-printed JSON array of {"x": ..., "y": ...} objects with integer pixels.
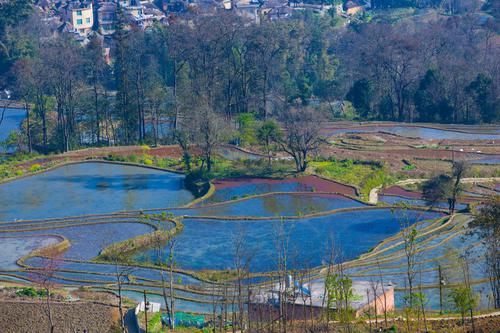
[
  {"x": 89, "y": 188},
  {"x": 420, "y": 132},
  {"x": 14, "y": 248},
  {"x": 276, "y": 205},
  {"x": 394, "y": 199},
  {"x": 210, "y": 244},
  {"x": 11, "y": 121}
]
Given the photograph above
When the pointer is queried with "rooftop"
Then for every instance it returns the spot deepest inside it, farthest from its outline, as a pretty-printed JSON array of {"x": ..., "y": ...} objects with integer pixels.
[{"x": 313, "y": 293}]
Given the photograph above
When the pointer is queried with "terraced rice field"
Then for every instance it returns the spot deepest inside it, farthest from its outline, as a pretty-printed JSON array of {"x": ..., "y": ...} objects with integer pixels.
[{"x": 311, "y": 214}]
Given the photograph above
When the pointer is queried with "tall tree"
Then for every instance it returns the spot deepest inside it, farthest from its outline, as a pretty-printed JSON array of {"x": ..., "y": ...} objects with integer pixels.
[
  {"x": 269, "y": 134},
  {"x": 486, "y": 224},
  {"x": 301, "y": 135},
  {"x": 96, "y": 70},
  {"x": 446, "y": 187},
  {"x": 208, "y": 131},
  {"x": 64, "y": 79},
  {"x": 360, "y": 96},
  {"x": 431, "y": 102},
  {"x": 12, "y": 13},
  {"x": 485, "y": 99}
]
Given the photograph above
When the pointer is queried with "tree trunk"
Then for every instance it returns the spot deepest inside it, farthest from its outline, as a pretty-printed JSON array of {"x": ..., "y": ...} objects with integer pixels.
[
  {"x": 28, "y": 127},
  {"x": 97, "y": 115},
  {"x": 120, "y": 307}
]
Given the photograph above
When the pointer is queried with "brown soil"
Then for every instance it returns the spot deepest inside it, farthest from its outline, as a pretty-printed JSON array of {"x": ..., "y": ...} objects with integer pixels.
[
  {"x": 319, "y": 184},
  {"x": 396, "y": 190},
  {"x": 83, "y": 154},
  {"x": 30, "y": 317},
  {"x": 393, "y": 150},
  {"x": 162, "y": 151},
  {"x": 481, "y": 325}
]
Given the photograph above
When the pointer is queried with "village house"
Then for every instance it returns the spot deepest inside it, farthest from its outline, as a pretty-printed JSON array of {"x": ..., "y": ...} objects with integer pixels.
[
  {"x": 82, "y": 16},
  {"x": 353, "y": 8},
  {"x": 367, "y": 297},
  {"x": 106, "y": 16}
]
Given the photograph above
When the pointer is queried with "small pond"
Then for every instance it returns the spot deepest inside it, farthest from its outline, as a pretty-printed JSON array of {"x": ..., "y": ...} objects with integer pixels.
[{"x": 90, "y": 188}]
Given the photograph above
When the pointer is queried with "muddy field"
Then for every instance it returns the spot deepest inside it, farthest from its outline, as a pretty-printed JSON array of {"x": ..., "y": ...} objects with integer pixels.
[
  {"x": 30, "y": 317},
  {"x": 427, "y": 155}
]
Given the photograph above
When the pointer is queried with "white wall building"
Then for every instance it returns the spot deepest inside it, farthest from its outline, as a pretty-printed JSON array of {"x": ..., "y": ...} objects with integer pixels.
[{"x": 82, "y": 18}]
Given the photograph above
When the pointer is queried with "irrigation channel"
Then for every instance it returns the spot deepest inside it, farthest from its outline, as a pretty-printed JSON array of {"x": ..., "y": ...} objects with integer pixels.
[{"x": 89, "y": 208}]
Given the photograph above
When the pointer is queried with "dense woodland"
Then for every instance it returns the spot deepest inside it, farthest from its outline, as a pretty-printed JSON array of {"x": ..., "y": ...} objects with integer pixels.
[{"x": 199, "y": 76}]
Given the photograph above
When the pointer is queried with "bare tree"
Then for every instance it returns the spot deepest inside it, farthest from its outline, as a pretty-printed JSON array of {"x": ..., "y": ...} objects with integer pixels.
[
  {"x": 282, "y": 246},
  {"x": 409, "y": 235},
  {"x": 301, "y": 135},
  {"x": 486, "y": 224},
  {"x": 122, "y": 271},
  {"x": 44, "y": 277},
  {"x": 381, "y": 279},
  {"x": 4, "y": 108},
  {"x": 208, "y": 131},
  {"x": 183, "y": 139},
  {"x": 242, "y": 260}
]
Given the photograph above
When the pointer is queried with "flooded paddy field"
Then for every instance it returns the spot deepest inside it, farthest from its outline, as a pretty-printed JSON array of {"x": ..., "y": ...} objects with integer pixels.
[
  {"x": 90, "y": 188},
  {"x": 421, "y": 131},
  {"x": 311, "y": 213},
  {"x": 235, "y": 188}
]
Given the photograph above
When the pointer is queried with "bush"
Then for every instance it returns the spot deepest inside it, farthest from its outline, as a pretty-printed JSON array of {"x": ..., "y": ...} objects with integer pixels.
[
  {"x": 30, "y": 292},
  {"x": 409, "y": 167},
  {"x": 148, "y": 161},
  {"x": 197, "y": 182},
  {"x": 35, "y": 167},
  {"x": 133, "y": 158}
]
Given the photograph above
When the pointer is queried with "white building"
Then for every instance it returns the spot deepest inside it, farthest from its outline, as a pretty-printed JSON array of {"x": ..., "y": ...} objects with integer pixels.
[{"x": 82, "y": 18}]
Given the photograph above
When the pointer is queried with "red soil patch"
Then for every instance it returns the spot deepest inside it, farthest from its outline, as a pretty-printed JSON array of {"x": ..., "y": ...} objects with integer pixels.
[
  {"x": 162, "y": 151},
  {"x": 311, "y": 182},
  {"x": 399, "y": 191},
  {"x": 79, "y": 155}
]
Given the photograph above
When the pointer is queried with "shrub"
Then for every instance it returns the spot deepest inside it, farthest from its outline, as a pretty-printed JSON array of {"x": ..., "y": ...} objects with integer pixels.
[
  {"x": 30, "y": 292},
  {"x": 19, "y": 172},
  {"x": 148, "y": 161},
  {"x": 409, "y": 167},
  {"x": 133, "y": 158},
  {"x": 373, "y": 180},
  {"x": 35, "y": 167}
]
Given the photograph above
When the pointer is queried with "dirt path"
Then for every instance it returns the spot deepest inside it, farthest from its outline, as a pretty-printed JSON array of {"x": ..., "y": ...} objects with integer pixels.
[{"x": 464, "y": 180}]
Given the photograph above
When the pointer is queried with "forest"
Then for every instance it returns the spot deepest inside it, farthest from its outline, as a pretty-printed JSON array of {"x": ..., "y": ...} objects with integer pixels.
[{"x": 213, "y": 73}]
